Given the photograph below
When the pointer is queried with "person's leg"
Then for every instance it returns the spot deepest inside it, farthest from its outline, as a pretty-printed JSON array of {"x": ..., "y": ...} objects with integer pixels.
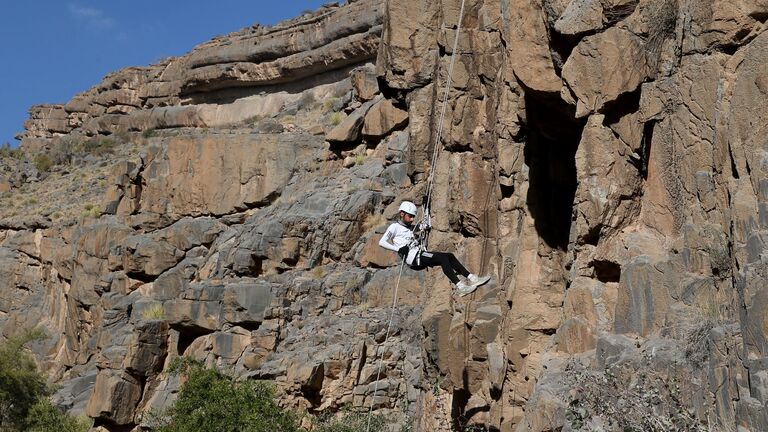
[
  {"x": 456, "y": 264},
  {"x": 433, "y": 259}
]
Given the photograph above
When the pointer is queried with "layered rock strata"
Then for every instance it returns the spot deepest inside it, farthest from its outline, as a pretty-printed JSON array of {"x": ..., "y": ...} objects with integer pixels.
[{"x": 208, "y": 87}]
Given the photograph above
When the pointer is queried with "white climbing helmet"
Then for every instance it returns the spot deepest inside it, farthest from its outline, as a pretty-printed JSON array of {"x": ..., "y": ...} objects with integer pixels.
[{"x": 408, "y": 207}]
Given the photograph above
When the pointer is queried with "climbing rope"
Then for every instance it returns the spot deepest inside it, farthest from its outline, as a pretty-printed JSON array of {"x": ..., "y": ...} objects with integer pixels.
[
  {"x": 386, "y": 336},
  {"x": 439, "y": 135},
  {"x": 427, "y": 201}
]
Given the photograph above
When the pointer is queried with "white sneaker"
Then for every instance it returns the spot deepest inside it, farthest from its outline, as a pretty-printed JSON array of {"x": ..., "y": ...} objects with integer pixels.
[
  {"x": 476, "y": 280},
  {"x": 463, "y": 289}
]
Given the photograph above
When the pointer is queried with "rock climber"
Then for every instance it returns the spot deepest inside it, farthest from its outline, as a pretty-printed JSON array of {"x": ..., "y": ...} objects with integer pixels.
[{"x": 400, "y": 238}]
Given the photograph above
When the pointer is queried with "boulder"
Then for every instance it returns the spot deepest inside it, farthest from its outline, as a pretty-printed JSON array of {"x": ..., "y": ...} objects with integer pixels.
[
  {"x": 528, "y": 46},
  {"x": 348, "y": 131},
  {"x": 605, "y": 66},
  {"x": 364, "y": 83},
  {"x": 382, "y": 119},
  {"x": 115, "y": 396}
]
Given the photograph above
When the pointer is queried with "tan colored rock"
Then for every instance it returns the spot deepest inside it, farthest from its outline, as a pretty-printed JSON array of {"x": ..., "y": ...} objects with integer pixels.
[
  {"x": 195, "y": 314},
  {"x": 581, "y": 16},
  {"x": 148, "y": 349},
  {"x": 349, "y": 129},
  {"x": 722, "y": 23},
  {"x": 203, "y": 178},
  {"x": 380, "y": 290},
  {"x": 644, "y": 297},
  {"x": 409, "y": 53},
  {"x": 607, "y": 181},
  {"x": 605, "y": 66},
  {"x": 145, "y": 256},
  {"x": 364, "y": 83},
  {"x": 230, "y": 345},
  {"x": 579, "y": 303},
  {"x": 575, "y": 336},
  {"x": 383, "y": 118},
  {"x": 5, "y": 185},
  {"x": 586, "y": 16},
  {"x": 528, "y": 47},
  {"x": 115, "y": 396},
  {"x": 337, "y": 54},
  {"x": 374, "y": 255}
]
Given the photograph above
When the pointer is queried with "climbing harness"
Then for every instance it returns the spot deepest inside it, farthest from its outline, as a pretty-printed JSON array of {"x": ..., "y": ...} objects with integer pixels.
[{"x": 426, "y": 217}]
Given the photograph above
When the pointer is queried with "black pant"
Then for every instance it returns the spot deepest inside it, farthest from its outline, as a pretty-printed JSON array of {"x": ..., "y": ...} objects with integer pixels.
[{"x": 451, "y": 266}]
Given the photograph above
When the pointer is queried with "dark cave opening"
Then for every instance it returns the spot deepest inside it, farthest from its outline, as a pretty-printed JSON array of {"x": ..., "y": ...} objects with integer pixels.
[
  {"x": 187, "y": 335},
  {"x": 606, "y": 271},
  {"x": 553, "y": 135},
  {"x": 459, "y": 412}
]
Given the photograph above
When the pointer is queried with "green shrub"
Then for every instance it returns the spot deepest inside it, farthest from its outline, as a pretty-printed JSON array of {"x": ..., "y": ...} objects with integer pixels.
[
  {"x": 44, "y": 417},
  {"x": 336, "y": 118},
  {"x": 99, "y": 146},
  {"x": 24, "y": 404},
  {"x": 91, "y": 211},
  {"x": 21, "y": 385},
  {"x": 211, "y": 401},
  {"x": 63, "y": 150},
  {"x": 149, "y": 133},
  {"x": 43, "y": 163},
  {"x": 329, "y": 103}
]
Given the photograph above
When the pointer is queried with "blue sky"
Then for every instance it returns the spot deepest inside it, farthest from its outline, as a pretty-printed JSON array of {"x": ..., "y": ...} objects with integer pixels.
[{"x": 53, "y": 49}]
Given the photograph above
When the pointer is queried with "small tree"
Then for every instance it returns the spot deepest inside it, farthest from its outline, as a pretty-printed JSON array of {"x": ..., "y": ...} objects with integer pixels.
[
  {"x": 44, "y": 417},
  {"x": 211, "y": 401},
  {"x": 24, "y": 403},
  {"x": 21, "y": 385}
]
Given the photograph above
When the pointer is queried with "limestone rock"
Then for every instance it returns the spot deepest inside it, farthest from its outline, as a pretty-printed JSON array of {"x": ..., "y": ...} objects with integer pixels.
[
  {"x": 5, "y": 184},
  {"x": 605, "y": 66},
  {"x": 114, "y": 397},
  {"x": 202, "y": 188},
  {"x": 409, "y": 55},
  {"x": 607, "y": 179},
  {"x": 528, "y": 48},
  {"x": 349, "y": 129},
  {"x": 364, "y": 83},
  {"x": 581, "y": 16},
  {"x": 382, "y": 119},
  {"x": 587, "y": 16}
]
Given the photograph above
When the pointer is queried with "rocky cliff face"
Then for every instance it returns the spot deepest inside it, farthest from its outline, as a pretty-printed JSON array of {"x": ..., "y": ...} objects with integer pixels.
[{"x": 603, "y": 160}]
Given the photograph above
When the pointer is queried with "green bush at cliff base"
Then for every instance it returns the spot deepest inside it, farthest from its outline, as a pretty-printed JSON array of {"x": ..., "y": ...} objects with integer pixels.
[
  {"x": 21, "y": 385},
  {"x": 24, "y": 404},
  {"x": 211, "y": 401},
  {"x": 44, "y": 417}
]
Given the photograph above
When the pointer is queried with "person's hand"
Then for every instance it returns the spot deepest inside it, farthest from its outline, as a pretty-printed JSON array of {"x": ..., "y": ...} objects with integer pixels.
[{"x": 403, "y": 250}]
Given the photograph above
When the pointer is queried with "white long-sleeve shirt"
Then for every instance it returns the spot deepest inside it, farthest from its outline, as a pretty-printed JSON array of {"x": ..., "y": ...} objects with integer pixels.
[{"x": 397, "y": 236}]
